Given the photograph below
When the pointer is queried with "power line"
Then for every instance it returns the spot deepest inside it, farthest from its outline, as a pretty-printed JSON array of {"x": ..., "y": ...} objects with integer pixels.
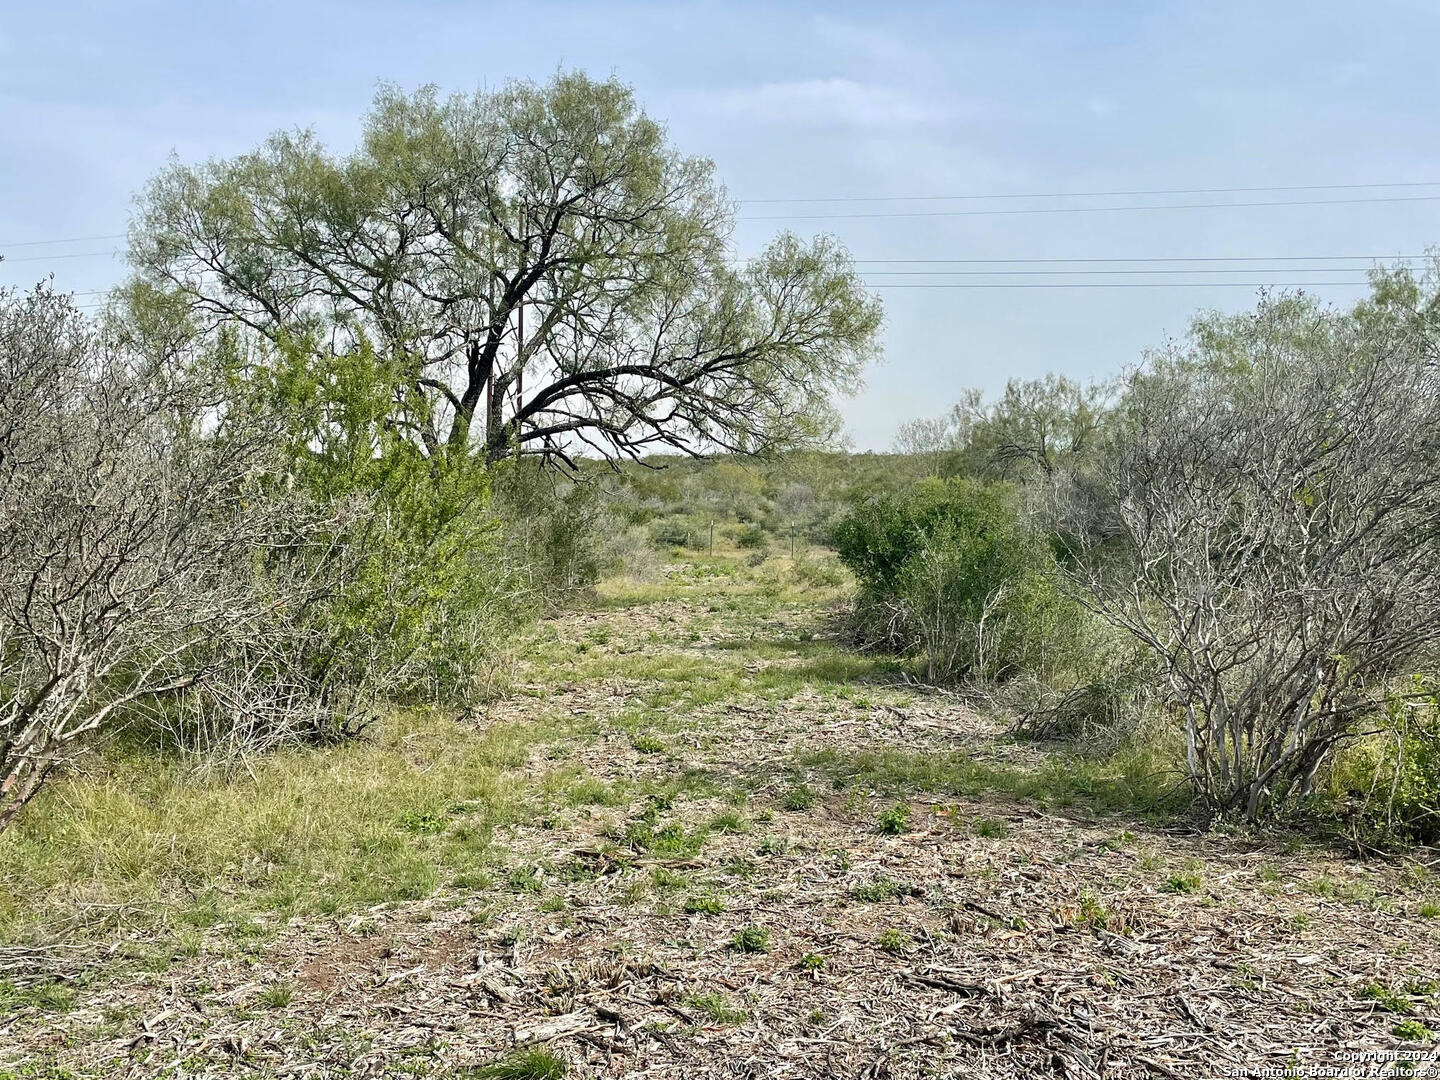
[
  {"x": 1163, "y": 259},
  {"x": 1093, "y": 194},
  {"x": 1090, "y": 209},
  {"x": 69, "y": 255},
  {"x": 1088, "y": 273},
  {"x": 70, "y": 240},
  {"x": 1109, "y": 284}
]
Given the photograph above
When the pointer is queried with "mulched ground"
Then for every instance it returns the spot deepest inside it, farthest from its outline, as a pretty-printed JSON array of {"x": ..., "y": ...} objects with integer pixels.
[{"x": 989, "y": 939}]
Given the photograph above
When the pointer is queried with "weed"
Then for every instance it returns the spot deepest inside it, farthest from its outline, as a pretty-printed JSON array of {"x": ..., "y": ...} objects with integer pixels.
[
  {"x": 773, "y": 845},
  {"x": 1182, "y": 883},
  {"x": 1092, "y": 912},
  {"x": 534, "y": 1063},
  {"x": 1387, "y": 999},
  {"x": 1430, "y": 910},
  {"x": 276, "y": 997},
  {"x": 647, "y": 744},
  {"x": 811, "y": 962},
  {"x": 894, "y": 821},
  {"x": 894, "y": 942},
  {"x": 751, "y": 939},
  {"x": 45, "y": 996},
  {"x": 553, "y": 903},
  {"x": 730, "y": 822},
  {"x": 1412, "y": 1031},
  {"x": 524, "y": 879},
  {"x": 882, "y": 888},
  {"x": 704, "y": 905},
  {"x": 745, "y": 869},
  {"x": 664, "y": 878},
  {"x": 670, "y": 840},
  {"x": 799, "y": 797},
  {"x": 422, "y": 821},
  {"x": 718, "y": 1008},
  {"x": 991, "y": 828}
]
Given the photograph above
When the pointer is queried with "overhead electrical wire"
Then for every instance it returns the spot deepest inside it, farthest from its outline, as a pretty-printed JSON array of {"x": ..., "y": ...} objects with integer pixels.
[
  {"x": 1087, "y": 209},
  {"x": 1107, "y": 284},
  {"x": 67, "y": 240},
  {"x": 65, "y": 255},
  {"x": 1093, "y": 194}
]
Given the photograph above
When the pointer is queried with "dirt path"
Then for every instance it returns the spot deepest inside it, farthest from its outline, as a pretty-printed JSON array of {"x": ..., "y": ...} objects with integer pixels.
[{"x": 716, "y": 882}]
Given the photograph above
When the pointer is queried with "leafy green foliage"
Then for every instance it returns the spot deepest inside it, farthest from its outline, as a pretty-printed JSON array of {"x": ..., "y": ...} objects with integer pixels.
[
  {"x": 704, "y": 905},
  {"x": 1413, "y": 1030},
  {"x": 894, "y": 820},
  {"x": 882, "y": 888},
  {"x": 894, "y": 942},
  {"x": 1392, "y": 778},
  {"x": 949, "y": 568},
  {"x": 799, "y": 797},
  {"x": 414, "y": 608},
  {"x": 455, "y": 214},
  {"x": 751, "y": 939}
]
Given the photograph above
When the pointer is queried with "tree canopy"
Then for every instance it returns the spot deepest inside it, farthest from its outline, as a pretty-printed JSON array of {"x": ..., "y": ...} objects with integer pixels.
[{"x": 536, "y": 269}]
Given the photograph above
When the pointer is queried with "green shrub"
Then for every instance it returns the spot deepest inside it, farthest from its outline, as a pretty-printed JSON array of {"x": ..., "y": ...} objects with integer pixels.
[
  {"x": 422, "y": 596},
  {"x": 949, "y": 570},
  {"x": 675, "y": 532},
  {"x": 751, "y": 537}
]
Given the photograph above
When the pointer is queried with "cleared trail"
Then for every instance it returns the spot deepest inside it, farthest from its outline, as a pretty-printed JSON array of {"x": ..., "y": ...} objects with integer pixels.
[{"x": 711, "y": 878}]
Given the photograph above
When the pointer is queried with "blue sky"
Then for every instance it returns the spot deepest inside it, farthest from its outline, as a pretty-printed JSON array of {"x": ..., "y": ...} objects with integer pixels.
[{"x": 795, "y": 101}]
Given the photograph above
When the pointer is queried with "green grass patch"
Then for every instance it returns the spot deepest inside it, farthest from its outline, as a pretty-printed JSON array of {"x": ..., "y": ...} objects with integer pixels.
[
  {"x": 799, "y": 797},
  {"x": 142, "y": 843},
  {"x": 704, "y": 905},
  {"x": 56, "y": 997},
  {"x": 717, "y": 1007},
  {"x": 534, "y": 1063},
  {"x": 1182, "y": 883}
]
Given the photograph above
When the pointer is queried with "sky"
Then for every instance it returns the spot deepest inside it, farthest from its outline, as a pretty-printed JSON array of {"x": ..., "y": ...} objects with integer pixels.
[{"x": 881, "y": 108}]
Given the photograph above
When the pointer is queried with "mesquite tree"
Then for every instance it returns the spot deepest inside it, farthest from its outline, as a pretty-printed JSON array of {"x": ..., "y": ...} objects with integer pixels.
[
  {"x": 1267, "y": 522},
  {"x": 540, "y": 271}
]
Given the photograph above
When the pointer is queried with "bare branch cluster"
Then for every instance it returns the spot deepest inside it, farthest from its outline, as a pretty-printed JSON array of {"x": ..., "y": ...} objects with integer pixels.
[
  {"x": 137, "y": 547},
  {"x": 1267, "y": 522}
]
